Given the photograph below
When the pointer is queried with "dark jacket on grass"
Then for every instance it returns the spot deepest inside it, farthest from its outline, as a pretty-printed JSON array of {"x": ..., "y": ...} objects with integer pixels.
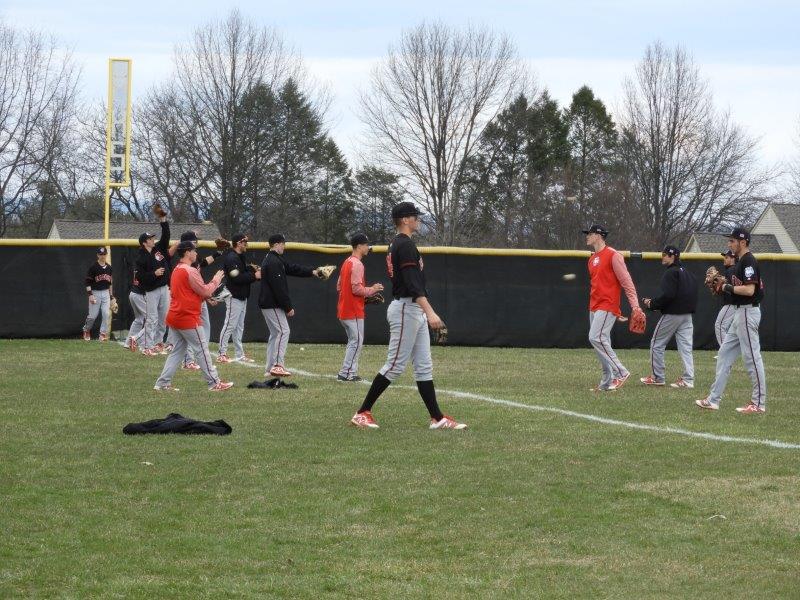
[{"x": 175, "y": 423}]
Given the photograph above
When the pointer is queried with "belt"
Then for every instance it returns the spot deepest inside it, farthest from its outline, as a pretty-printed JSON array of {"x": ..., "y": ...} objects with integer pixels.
[{"x": 755, "y": 305}]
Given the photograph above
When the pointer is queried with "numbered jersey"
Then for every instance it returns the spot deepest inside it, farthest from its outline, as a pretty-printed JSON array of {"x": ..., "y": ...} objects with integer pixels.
[{"x": 406, "y": 269}]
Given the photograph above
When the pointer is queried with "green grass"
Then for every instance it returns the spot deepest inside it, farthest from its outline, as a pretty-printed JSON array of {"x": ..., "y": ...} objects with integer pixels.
[{"x": 297, "y": 504}]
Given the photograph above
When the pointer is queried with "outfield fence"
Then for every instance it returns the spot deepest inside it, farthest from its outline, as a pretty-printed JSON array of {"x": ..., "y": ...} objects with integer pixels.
[{"x": 488, "y": 297}]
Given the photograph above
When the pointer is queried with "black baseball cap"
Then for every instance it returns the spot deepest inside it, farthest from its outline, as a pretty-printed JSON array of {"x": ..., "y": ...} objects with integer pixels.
[
  {"x": 146, "y": 236},
  {"x": 238, "y": 238},
  {"x": 102, "y": 250},
  {"x": 670, "y": 250},
  {"x": 185, "y": 246},
  {"x": 739, "y": 233},
  {"x": 189, "y": 236},
  {"x": 358, "y": 239},
  {"x": 728, "y": 252},
  {"x": 405, "y": 209},
  {"x": 596, "y": 229},
  {"x": 276, "y": 238}
]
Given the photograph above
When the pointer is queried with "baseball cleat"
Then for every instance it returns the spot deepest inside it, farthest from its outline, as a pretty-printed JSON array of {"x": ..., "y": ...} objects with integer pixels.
[
  {"x": 191, "y": 366},
  {"x": 682, "y": 383},
  {"x": 279, "y": 371},
  {"x": 619, "y": 382},
  {"x": 245, "y": 359},
  {"x": 133, "y": 346},
  {"x": 223, "y": 358},
  {"x": 707, "y": 404},
  {"x": 103, "y": 337},
  {"x": 351, "y": 378},
  {"x": 650, "y": 381},
  {"x": 751, "y": 409},
  {"x": 447, "y": 423},
  {"x": 221, "y": 386},
  {"x": 149, "y": 352},
  {"x": 364, "y": 420},
  {"x": 87, "y": 336},
  {"x": 602, "y": 389},
  {"x": 165, "y": 388},
  {"x": 166, "y": 349}
]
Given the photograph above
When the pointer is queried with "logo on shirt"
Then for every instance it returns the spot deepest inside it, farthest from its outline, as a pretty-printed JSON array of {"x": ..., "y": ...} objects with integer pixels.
[
  {"x": 158, "y": 256},
  {"x": 596, "y": 261},
  {"x": 749, "y": 272}
]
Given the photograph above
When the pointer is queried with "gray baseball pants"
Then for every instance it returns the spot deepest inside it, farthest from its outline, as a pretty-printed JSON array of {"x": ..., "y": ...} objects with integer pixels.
[
  {"x": 355, "y": 342},
  {"x": 600, "y": 325},
  {"x": 233, "y": 326},
  {"x": 408, "y": 339},
  {"x": 192, "y": 340},
  {"x": 157, "y": 304},
  {"x": 102, "y": 306},
  {"x": 205, "y": 324},
  {"x": 278, "y": 326},
  {"x": 682, "y": 328},
  {"x": 139, "y": 314},
  {"x": 723, "y": 322},
  {"x": 742, "y": 338}
]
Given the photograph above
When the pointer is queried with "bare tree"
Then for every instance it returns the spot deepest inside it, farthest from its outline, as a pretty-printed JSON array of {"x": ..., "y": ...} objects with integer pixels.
[
  {"x": 691, "y": 167},
  {"x": 427, "y": 105},
  {"x": 37, "y": 102}
]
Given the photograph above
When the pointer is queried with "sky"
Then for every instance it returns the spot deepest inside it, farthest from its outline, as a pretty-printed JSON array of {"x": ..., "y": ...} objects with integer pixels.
[{"x": 748, "y": 51}]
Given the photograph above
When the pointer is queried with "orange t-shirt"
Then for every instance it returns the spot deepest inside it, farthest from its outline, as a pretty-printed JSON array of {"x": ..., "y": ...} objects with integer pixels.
[
  {"x": 605, "y": 287},
  {"x": 351, "y": 305},
  {"x": 187, "y": 292}
]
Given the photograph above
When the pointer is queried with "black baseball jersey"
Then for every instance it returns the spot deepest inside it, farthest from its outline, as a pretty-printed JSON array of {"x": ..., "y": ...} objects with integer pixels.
[
  {"x": 238, "y": 286},
  {"x": 406, "y": 268},
  {"x": 274, "y": 292},
  {"x": 747, "y": 271},
  {"x": 147, "y": 263},
  {"x": 727, "y": 297},
  {"x": 99, "y": 276}
]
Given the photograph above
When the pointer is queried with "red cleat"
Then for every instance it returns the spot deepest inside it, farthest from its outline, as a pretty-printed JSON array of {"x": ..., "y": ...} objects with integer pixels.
[
  {"x": 364, "y": 420},
  {"x": 707, "y": 404},
  {"x": 751, "y": 409},
  {"x": 191, "y": 366},
  {"x": 279, "y": 371},
  {"x": 650, "y": 381},
  {"x": 447, "y": 423},
  {"x": 223, "y": 358},
  {"x": 221, "y": 386},
  {"x": 133, "y": 346},
  {"x": 87, "y": 336}
]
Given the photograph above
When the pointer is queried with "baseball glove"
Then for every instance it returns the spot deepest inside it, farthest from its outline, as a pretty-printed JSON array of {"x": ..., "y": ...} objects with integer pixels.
[
  {"x": 114, "y": 306},
  {"x": 325, "y": 271},
  {"x": 440, "y": 335},
  {"x": 714, "y": 280},
  {"x": 638, "y": 321},
  {"x": 376, "y": 298},
  {"x": 222, "y": 243},
  {"x": 158, "y": 211},
  {"x": 220, "y": 294}
]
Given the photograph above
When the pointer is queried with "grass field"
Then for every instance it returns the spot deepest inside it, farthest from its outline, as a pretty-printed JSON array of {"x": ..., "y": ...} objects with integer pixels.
[{"x": 526, "y": 503}]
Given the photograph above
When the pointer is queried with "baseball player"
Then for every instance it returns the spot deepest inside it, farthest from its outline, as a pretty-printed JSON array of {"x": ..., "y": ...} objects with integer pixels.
[
  {"x": 409, "y": 315},
  {"x": 350, "y": 308},
  {"x": 726, "y": 312},
  {"x": 183, "y": 317},
  {"x": 139, "y": 306},
  {"x": 239, "y": 276},
  {"x": 677, "y": 303},
  {"x": 741, "y": 337},
  {"x": 98, "y": 287},
  {"x": 275, "y": 303},
  {"x": 152, "y": 269},
  {"x": 189, "y": 361},
  {"x": 609, "y": 277}
]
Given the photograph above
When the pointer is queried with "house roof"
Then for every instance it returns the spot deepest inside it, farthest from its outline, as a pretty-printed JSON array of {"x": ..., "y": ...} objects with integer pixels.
[
  {"x": 66, "y": 229},
  {"x": 710, "y": 241},
  {"x": 789, "y": 216}
]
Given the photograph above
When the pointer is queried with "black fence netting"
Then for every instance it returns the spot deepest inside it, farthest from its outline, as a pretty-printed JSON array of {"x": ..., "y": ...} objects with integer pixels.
[{"x": 485, "y": 300}]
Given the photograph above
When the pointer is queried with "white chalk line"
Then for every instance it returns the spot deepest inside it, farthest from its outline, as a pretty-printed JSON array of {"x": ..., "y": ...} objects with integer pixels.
[{"x": 714, "y": 437}]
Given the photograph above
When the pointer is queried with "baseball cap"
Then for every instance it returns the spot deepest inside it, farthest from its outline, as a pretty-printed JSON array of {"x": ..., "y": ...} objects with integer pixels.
[
  {"x": 405, "y": 209},
  {"x": 739, "y": 233},
  {"x": 189, "y": 236},
  {"x": 238, "y": 238},
  {"x": 358, "y": 239},
  {"x": 276, "y": 238},
  {"x": 102, "y": 250},
  {"x": 146, "y": 236},
  {"x": 596, "y": 229},
  {"x": 185, "y": 246},
  {"x": 670, "y": 250},
  {"x": 728, "y": 253}
]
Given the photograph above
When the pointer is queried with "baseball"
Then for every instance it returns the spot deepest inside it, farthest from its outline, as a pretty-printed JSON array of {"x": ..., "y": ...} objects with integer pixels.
[
  {"x": 568, "y": 276},
  {"x": 234, "y": 272},
  {"x": 302, "y": 349}
]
